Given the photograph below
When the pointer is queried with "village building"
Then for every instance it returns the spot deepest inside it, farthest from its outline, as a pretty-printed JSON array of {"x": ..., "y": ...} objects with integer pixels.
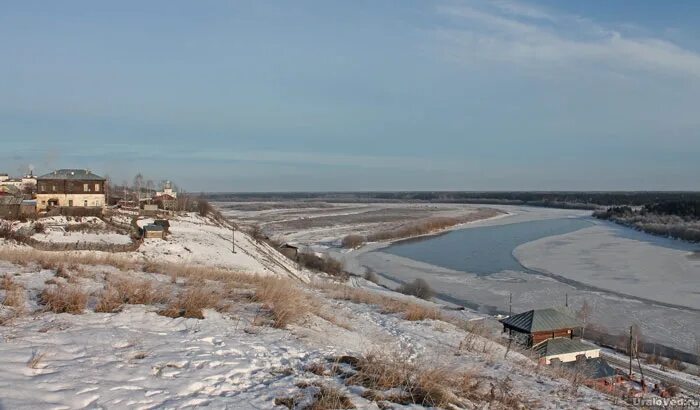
[
  {"x": 166, "y": 202},
  {"x": 167, "y": 190},
  {"x": 10, "y": 207},
  {"x": 535, "y": 326},
  {"x": 565, "y": 350},
  {"x": 27, "y": 182},
  {"x": 153, "y": 231},
  {"x": 70, "y": 188}
]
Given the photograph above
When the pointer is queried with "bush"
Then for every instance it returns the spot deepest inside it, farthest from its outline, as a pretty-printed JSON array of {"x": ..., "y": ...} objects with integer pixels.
[
  {"x": 353, "y": 241},
  {"x": 418, "y": 288},
  {"x": 283, "y": 299},
  {"x": 39, "y": 227},
  {"x": 372, "y": 277},
  {"x": 64, "y": 299},
  {"x": 191, "y": 303},
  {"x": 322, "y": 264}
]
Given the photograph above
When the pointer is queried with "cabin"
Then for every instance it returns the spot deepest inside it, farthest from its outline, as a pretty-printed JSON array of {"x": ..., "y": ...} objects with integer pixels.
[
  {"x": 565, "y": 350},
  {"x": 596, "y": 372},
  {"x": 10, "y": 207},
  {"x": 153, "y": 231},
  {"x": 535, "y": 326},
  {"x": 73, "y": 188}
]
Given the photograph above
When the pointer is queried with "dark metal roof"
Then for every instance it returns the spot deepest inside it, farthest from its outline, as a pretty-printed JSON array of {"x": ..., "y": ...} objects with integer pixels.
[
  {"x": 78, "y": 174},
  {"x": 562, "y": 345},
  {"x": 10, "y": 200},
  {"x": 592, "y": 369},
  {"x": 152, "y": 227},
  {"x": 541, "y": 320}
]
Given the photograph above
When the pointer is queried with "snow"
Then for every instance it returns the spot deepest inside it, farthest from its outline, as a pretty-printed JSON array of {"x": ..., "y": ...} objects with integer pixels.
[
  {"x": 640, "y": 268},
  {"x": 196, "y": 240},
  {"x": 59, "y": 236},
  {"x": 138, "y": 359}
]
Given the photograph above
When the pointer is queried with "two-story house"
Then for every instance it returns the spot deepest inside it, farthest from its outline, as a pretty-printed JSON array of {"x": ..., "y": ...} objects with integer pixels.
[{"x": 70, "y": 188}]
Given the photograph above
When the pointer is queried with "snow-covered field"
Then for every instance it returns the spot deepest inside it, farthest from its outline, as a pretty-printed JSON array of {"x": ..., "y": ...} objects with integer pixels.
[
  {"x": 137, "y": 358},
  {"x": 643, "y": 266}
]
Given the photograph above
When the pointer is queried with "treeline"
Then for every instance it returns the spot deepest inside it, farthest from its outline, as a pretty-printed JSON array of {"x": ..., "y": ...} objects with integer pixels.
[
  {"x": 676, "y": 219},
  {"x": 553, "y": 199}
]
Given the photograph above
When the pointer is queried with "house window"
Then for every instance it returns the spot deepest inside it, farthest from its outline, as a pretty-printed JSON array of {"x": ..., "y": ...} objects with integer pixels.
[
  {"x": 86, "y": 188},
  {"x": 85, "y": 203},
  {"x": 97, "y": 187},
  {"x": 70, "y": 202},
  {"x": 53, "y": 188}
]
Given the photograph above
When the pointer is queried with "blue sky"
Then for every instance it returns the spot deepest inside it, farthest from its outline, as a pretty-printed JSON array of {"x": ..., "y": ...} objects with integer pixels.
[{"x": 356, "y": 95}]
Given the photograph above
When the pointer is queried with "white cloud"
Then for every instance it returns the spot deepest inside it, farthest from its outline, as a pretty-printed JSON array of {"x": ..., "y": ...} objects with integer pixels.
[{"x": 519, "y": 34}]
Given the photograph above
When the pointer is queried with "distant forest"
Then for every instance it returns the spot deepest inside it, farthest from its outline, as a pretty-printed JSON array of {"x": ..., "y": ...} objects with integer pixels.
[
  {"x": 677, "y": 219},
  {"x": 578, "y": 200}
]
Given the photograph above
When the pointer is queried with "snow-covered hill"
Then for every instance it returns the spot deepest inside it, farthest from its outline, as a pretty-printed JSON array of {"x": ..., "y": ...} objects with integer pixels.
[{"x": 186, "y": 323}]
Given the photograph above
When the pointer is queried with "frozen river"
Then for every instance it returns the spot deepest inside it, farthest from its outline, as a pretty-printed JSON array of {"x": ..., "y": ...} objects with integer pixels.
[{"x": 543, "y": 255}]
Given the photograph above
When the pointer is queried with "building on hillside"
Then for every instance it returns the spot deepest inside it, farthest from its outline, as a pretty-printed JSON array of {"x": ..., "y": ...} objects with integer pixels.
[
  {"x": 535, "y": 326},
  {"x": 70, "y": 188},
  {"x": 565, "y": 350},
  {"x": 28, "y": 208},
  {"x": 153, "y": 231},
  {"x": 167, "y": 190},
  {"x": 10, "y": 207},
  {"x": 27, "y": 182},
  {"x": 166, "y": 202}
]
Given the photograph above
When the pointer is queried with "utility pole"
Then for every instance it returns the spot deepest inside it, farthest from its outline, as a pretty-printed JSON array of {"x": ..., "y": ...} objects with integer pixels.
[
  {"x": 233, "y": 238},
  {"x": 630, "y": 351},
  {"x": 510, "y": 305}
]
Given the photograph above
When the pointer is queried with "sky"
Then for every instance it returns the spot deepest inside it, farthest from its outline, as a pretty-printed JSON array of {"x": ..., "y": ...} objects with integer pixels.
[{"x": 356, "y": 95}]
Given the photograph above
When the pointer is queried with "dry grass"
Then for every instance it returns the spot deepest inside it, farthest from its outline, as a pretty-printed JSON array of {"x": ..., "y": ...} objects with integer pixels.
[
  {"x": 52, "y": 260},
  {"x": 14, "y": 294},
  {"x": 191, "y": 302},
  {"x": 330, "y": 398},
  {"x": 35, "y": 359},
  {"x": 387, "y": 304},
  {"x": 64, "y": 299},
  {"x": 392, "y": 377},
  {"x": 285, "y": 301},
  {"x": 132, "y": 291},
  {"x": 416, "y": 312}
]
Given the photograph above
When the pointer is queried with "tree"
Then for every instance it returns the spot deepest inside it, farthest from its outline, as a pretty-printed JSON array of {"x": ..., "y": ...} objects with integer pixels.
[
  {"x": 150, "y": 188},
  {"x": 138, "y": 184},
  {"x": 108, "y": 189},
  {"x": 584, "y": 315}
]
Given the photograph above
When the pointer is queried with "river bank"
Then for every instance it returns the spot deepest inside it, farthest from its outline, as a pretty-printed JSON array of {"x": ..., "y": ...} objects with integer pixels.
[{"x": 662, "y": 319}]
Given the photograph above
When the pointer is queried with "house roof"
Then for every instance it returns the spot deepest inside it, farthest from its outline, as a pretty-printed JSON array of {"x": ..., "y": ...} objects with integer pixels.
[
  {"x": 152, "y": 227},
  {"x": 592, "y": 369},
  {"x": 164, "y": 197},
  {"x": 77, "y": 174},
  {"x": 562, "y": 345},
  {"x": 541, "y": 320},
  {"x": 10, "y": 200}
]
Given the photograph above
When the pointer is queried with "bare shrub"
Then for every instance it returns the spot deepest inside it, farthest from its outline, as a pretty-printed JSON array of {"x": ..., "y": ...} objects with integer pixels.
[
  {"x": 418, "y": 288},
  {"x": 372, "y": 277},
  {"x": 39, "y": 227},
  {"x": 15, "y": 298},
  {"x": 283, "y": 299},
  {"x": 35, "y": 359},
  {"x": 405, "y": 382},
  {"x": 330, "y": 398},
  {"x": 139, "y": 292},
  {"x": 7, "y": 282},
  {"x": 110, "y": 301},
  {"x": 353, "y": 241},
  {"x": 191, "y": 303},
  {"x": 64, "y": 299},
  {"x": 321, "y": 263}
]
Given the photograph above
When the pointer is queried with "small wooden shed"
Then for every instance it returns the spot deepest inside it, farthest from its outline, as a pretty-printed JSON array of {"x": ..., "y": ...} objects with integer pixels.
[{"x": 152, "y": 231}]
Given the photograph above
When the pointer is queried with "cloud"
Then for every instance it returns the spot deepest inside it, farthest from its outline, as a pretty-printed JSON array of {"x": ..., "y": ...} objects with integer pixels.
[{"x": 516, "y": 33}]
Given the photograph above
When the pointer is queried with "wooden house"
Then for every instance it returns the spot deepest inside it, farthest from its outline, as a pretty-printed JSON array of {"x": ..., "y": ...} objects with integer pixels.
[
  {"x": 535, "y": 326},
  {"x": 70, "y": 188}
]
